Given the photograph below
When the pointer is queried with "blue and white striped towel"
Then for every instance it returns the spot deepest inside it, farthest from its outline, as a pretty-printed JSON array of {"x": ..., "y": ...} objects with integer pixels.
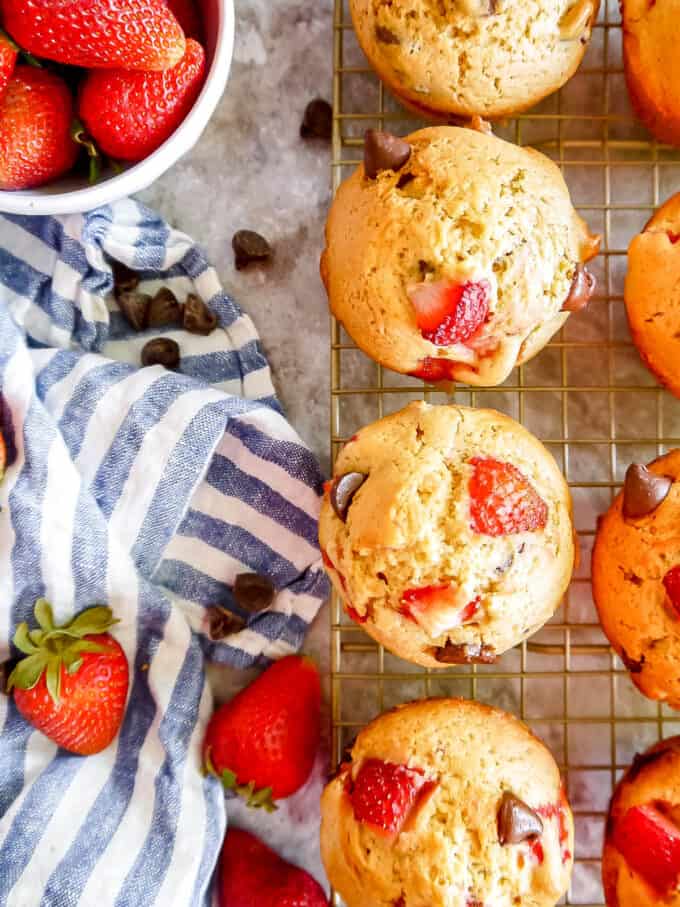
[{"x": 150, "y": 491}]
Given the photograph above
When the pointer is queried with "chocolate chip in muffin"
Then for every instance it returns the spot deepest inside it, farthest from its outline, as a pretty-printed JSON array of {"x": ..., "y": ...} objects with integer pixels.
[
  {"x": 385, "y": 36},
  {"x": 222, "y": 623},
  {"x": 124, "y": 278},
  {"x": 197, "y": 317},
  {"x": 343, "y": 490},
  {"x": 135, "y": 308},
  {"x": 164, "y": 309},
  {"x": 249, "y": 247},
  {"x": 517, "y": 821},
  {"x": 633, "y": 578},
  {"x": 384, "y": 151},
  {"x": 643, "y": 491},
  {"x": 161, "y": 351},
  {"x": 581, "y": 289},
  {"x": 317, "y": 121},
  {"x": 634, "y": 665},
  {"x": 466, "y": 653},
  {"x": 253, "y": 592},
  {"x": 405, "y": 179}
]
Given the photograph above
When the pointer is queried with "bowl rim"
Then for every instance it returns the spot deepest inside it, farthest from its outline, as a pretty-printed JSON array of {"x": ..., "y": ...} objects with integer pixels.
[{"x": 141, "y": 175}]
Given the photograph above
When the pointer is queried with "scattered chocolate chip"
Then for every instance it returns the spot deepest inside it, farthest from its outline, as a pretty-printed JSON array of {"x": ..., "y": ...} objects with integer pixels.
[
  {"x": 164, "y": 309},
  {"x": 317, "y": 122},
  {"x": 634, "y": 665},
  {"x": 222, "y": 623},
  {"x": 466, "y": 653},
  {"x": 343, "y": 490},
  {"x": 124, "y": 278},
  {"x": 197, "y": 317},
  {"x": 405, "y": 179},
  {"x": 6, "y": 669},
  {"x": 135, "y": 307},
  {"x": 249, "y": 246},
  {"x": 385, "y": 36},
  {"x": 384, "y": 151},
  {"x": 161, "y": 351},
  {"x": 643, "y": 491},
  {"x": 516, "y": 820},
  {"x": 253, "y": 592},
  {"x": 581, "y": 289}
]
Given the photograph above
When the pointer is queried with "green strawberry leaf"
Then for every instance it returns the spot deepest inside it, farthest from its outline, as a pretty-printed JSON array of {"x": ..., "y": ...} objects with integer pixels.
[
  {"x": 53, "y": 678},
  {"x": 22, "y": 640},
  {"x": 228, "y": 780},
  {"x": 90, "y": 622},
  {"x": 43, "y": 614},
  {"x": 36, "y": 636},
  {"x": 85, "y": 645},
  {"x": 27, "y": 672},
  {"x": 75, "y": 666}
]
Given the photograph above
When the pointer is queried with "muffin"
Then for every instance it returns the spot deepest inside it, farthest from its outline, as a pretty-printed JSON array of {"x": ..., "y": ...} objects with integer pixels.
[
  {"x": 641, "y": 858},
  {"x": 447, "y": 803},
  {"x": 652, "y": 64},
  {"x": 493, "y": 58},
  {"x": 636, "y": 577},
  {"x": 453, "y": 255},
  {"x": 447, "y": 532},
  {"x": 652, "y": 293}
]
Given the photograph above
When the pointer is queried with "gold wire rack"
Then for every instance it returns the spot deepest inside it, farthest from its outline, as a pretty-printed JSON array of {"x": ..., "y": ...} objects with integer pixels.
[{"x": 586, "y": 396}]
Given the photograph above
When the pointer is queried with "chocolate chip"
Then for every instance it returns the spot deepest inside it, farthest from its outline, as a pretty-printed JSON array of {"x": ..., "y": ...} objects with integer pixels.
[
  {"x": 135, "y": 307},
  {"x": 517, "y": 821},
  {"x": 467, "y": 653},
  {"x": 124, "y": 278},
  {"x": 634, "y": 665},
  {"x": 643, "y": 491},
  {"x": 249, "y": 246},
  {"x": 385, "y": 36},
  {"x": 161, "y": 351},
  {"x": 384, "y": 151},
  {"x": 343, "y": 490},
  {"x": 222, "y": 623},
  {"x": 581, "y": 289},
  {"x": 164, "y": 309},
  {"x": 630, "y": 577},
  {"x": 317, "y": 122},
  {"x": 253, "y": 592},
  {"x": 197, "y": 317}
]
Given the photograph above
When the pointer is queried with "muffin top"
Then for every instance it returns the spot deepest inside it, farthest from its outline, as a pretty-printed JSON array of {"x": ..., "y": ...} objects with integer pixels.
[
  {"x": 467, "y": 57},
  {"x": 459, "y": 262},
  {"x": 636, "y": 576},
  {"x": 477, "y": 812},
  {"x": 457, "y": 535},
  {"x": 651, "y": 55},
  {"x": 641, "y": 858}
]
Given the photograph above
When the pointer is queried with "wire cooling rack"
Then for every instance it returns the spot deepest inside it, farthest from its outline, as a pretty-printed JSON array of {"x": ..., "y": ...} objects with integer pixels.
[{"x": 586, "y": 396}]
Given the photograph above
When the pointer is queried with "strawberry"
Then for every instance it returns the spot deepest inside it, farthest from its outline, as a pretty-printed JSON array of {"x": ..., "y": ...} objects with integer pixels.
[
  {"x": 671, "y": 583},
  {"x": 437, "y": 608},
  {"x": 384, "y": 794},
  {"x": 449, "y": 312},
  {"x": 130, "y": 114},
  {"x": 252, "y": 875},
  {"x": 650, "y": 844},
  {"x": 36, "y": 113},
  {"x": 186, "y": 13},
  {"x": 8, "y": 58},
  {"x": 96, "y": 34},
  {"x": 262, "y": 743},
  {"x": 73, "y": 683},
  {"x": 502, "y": 500},
  {"x": 433, "y": 370}
]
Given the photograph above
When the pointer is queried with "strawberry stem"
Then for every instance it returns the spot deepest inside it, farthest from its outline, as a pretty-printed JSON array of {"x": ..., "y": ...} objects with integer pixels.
[{"x": 81, "y": 137}]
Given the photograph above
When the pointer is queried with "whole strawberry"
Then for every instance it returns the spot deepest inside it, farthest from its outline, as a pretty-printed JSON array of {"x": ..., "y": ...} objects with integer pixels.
[
  {"x": 8, "y": 58},
  {"x": 36, "y": 114},
  {"x": 73, "y": 682},
  {"x": 262, "y": 743},
  {"x": 133, "y": 34},
  {"x": 252, "y": 875},
  {"x": 130, "y": 114}
]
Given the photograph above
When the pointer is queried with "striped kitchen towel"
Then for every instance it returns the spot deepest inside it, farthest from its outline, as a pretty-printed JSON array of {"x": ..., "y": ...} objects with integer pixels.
[{"x": 147, "y": 490}]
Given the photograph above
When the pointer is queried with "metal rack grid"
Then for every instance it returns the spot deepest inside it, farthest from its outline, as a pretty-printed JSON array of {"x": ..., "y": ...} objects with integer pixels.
[{"x": 586, "y": 396}]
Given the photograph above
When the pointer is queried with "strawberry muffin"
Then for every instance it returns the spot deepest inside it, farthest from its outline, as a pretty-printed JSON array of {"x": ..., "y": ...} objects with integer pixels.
[
  {"x": 447, "y": 533},
  {"x": 453, "y": 255},
  {"x": 465, "y": 57},
  {"x": 636, "y": 576},
  {"x": 641, "y": 858},
  {"x": 447, "y": 803},
  {"x": 652, "y": 293},
  {"x": 652, "y": 64}
]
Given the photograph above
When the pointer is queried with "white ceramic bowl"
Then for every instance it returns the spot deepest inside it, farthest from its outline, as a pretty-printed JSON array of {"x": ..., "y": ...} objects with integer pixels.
[{"x": 73, "y": 194}]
